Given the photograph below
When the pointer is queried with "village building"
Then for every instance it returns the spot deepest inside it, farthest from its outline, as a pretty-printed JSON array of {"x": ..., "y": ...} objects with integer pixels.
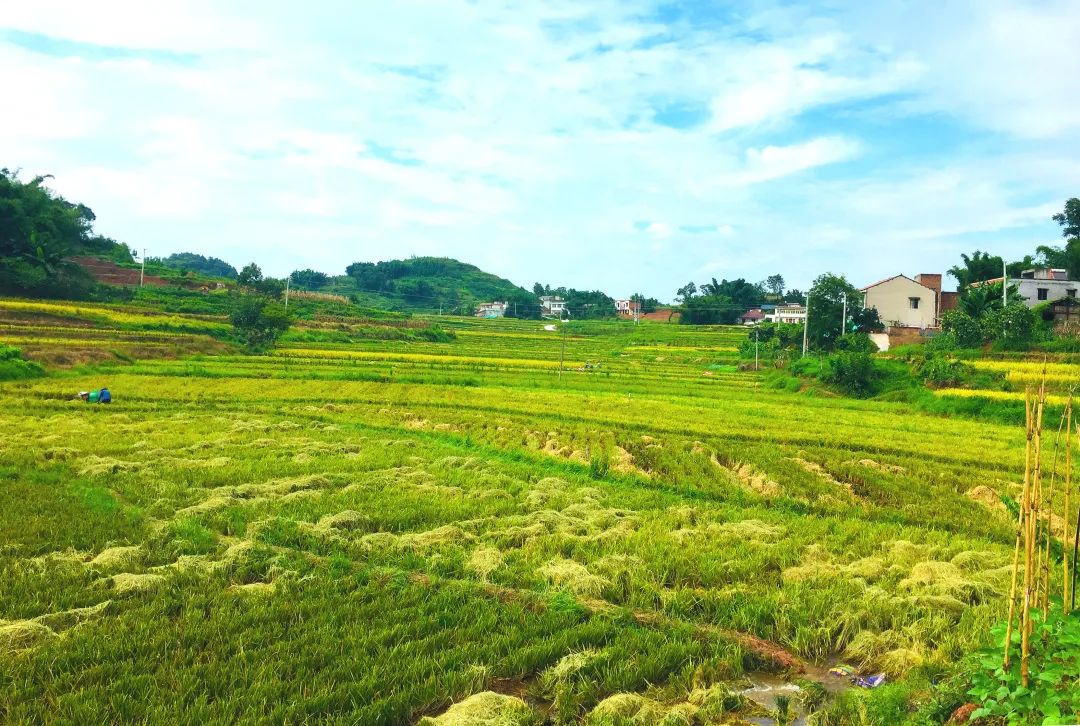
[
  {"x": 492, "y": 309},
  {"x": 788, "y": 313},
  {"x": 752, "y": 317},
  {"x": 902, "y": 302},
  {"x": 627, "y": 308},
  {"x": 552, "y": 306},
  {"x": 1039, "y": 285}
]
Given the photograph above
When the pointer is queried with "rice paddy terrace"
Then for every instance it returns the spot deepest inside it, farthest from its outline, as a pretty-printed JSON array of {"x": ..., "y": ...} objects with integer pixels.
[{"x": 373, "y": 531}]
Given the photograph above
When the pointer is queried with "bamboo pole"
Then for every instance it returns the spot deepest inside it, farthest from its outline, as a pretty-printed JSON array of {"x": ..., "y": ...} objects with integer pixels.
[
  {"x": 1065, "y": 519},
  {"x": 1044, "y": 571},
  {"x": 1020, "y": 528},
  {"x": 1025, "y": 611},
  {"x": 1030, "y": 574}
]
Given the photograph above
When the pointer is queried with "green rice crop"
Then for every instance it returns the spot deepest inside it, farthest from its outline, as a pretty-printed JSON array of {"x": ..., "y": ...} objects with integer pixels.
[{"x": 389, "y": 530}]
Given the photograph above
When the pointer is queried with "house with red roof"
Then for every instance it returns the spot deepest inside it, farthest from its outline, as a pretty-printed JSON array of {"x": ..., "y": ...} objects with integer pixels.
[{"x": 752, "y": 317}]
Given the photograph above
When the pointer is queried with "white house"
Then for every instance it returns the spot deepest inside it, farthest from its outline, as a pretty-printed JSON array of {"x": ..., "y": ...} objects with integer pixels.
[
  {"x": 902, "y": 302},
  {"x": 492, "y": 309},
  {"x": 627, "y": 308},
  {"x": 1043, "y": 284},
  {"x": 552, "y": 305},
  {"x": 792, "y": 313}
]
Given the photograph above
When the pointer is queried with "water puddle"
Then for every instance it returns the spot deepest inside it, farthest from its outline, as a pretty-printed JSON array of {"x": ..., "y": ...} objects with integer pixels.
[{"x": 769, "y": 690}]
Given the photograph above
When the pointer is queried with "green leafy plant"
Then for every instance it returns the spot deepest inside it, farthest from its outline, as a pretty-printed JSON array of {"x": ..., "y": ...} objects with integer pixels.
[{"x": 1052, "y": 695}]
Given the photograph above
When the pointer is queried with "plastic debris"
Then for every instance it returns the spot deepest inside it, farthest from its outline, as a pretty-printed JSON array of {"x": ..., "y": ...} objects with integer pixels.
[
  {"x": 842, "y": 670},
  {"x": 870, "y": 681}
]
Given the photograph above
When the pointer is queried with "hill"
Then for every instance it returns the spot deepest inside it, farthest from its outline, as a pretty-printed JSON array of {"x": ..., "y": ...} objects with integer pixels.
[
  {"x": 431, "y": 284},
  {"x": 191, "y": 262},
  {"x": 39, "y": 231}
]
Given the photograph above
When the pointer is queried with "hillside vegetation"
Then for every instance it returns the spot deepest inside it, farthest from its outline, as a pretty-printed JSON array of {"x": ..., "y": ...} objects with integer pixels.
[
  {"x": 431, "y": 283},
  {"x": 39, "y": 230}
]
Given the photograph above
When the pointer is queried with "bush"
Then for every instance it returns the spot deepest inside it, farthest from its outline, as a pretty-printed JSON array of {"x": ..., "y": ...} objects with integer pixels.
[
  {"x": 964, "y": 330},
  {"x": 14, "y": 368},
  {"x": 856, "y": 343},
  {"x": 852, "y": 373},
  {"x": 258, "y": 321},
  {"x": 943, "y": 343},
  {"x": 1014, "y": 328},
  {"x": 941, "y": 372},
  {"x": 1055, "y": 670}
]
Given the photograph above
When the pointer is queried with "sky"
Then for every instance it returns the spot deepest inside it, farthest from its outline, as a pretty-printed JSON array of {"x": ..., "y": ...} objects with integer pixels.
[{"x": 622, "y": 145}]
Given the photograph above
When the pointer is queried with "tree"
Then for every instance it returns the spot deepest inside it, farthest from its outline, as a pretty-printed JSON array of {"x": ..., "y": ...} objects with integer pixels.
[
  {"x": 539, "y": 289},
  {"x": 826, "y": 311},
  {"x": 775, "y": 284},
  {"x": 979, "y": 300},
  {"x": 250, "y": 276},
  {"x": 258, "y": 321},
  {"x": 1066, "y": 257},
  {"x": 686, "y": 292},
  {"x": 38, "y": 231},
  {"x": 707, "y": 310},
  {"x": 646, "y": 304},
  {"x": 309, "y": 279},
  {"x": 978, "y": 267},
  {"x": 209, "y": 266},
  {"x": 795, "y": 296},
  {"x": 1069, "y": 219}
]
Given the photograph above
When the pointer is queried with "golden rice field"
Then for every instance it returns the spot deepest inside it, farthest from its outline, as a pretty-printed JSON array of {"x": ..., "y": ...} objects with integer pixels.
[{"x": 395, "y": 532}]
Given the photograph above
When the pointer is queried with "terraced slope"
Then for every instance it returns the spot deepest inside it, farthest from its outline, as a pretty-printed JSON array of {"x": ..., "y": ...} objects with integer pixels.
[{"x": 369, "y": 533}]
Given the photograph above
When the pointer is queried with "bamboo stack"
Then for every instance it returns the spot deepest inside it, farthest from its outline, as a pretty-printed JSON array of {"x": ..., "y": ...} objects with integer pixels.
[{"x": 1036, "y": 529}]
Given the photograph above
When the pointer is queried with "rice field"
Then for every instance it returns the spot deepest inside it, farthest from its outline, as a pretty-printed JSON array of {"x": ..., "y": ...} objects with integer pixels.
[{"x": 396, "y": 532}]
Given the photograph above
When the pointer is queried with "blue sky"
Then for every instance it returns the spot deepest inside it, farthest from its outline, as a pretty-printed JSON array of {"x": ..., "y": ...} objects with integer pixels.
[{"x": 621, "y": 145}]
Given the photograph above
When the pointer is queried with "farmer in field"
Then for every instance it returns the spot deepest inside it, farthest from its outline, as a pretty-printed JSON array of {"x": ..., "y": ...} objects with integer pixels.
[{"x": 101, "y": 395}]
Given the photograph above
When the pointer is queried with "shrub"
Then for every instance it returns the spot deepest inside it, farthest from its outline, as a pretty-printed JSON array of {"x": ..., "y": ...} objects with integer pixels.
[
  {"x": 941, "y": 372},
  {"x": 1014, "y": 328},
  {"x": 945, "y": 342},
  {"x": 258, "y": 321},
  {"x": 1055, "y": 670},
  {"x": 856, "y": 343},
  {"x": 13, "y": 367},
  {"x": 964, "y": 330},
  {"x": 852, "y": 373}
]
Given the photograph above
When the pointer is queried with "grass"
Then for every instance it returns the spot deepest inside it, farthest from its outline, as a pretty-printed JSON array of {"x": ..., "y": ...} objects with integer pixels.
[{"x": 372, "y": 531}]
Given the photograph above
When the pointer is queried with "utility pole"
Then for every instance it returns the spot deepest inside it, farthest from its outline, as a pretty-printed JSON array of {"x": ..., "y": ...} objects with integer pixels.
[
  {"x": 1004, "y": 283},
  {"x": 287, "y": 281},
  {"x": 562, "y": 353},
  {"x": 843, "y": 317},
  {"x": 806, "y": 324},
  {"x": 1004, "y": 292},
  {"x": 756, "y": 331},
  {"x": 142, "y": 269}
]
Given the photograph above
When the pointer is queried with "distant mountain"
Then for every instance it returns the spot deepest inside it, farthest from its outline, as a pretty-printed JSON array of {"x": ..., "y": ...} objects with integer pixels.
[{"x": 433, "y": 283}]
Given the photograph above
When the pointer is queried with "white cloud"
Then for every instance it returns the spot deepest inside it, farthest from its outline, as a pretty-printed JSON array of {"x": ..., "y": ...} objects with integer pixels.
[
  {"x": 659, "y": 230},
  {"x": 772, "y": 162},
  {"x": 463, "y": 128}
]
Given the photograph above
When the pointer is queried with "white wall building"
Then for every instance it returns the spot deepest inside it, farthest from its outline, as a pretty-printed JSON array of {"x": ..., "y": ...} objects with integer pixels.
[
  {"x": 902, "y": 302},
  {"x": 492, "y": 309},
  {"x": 791, "y": 313},
  {"x": 552, "y": 305},
  {"x": 627, "y": 308},
  {"x": 1044, "y": 285}
]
